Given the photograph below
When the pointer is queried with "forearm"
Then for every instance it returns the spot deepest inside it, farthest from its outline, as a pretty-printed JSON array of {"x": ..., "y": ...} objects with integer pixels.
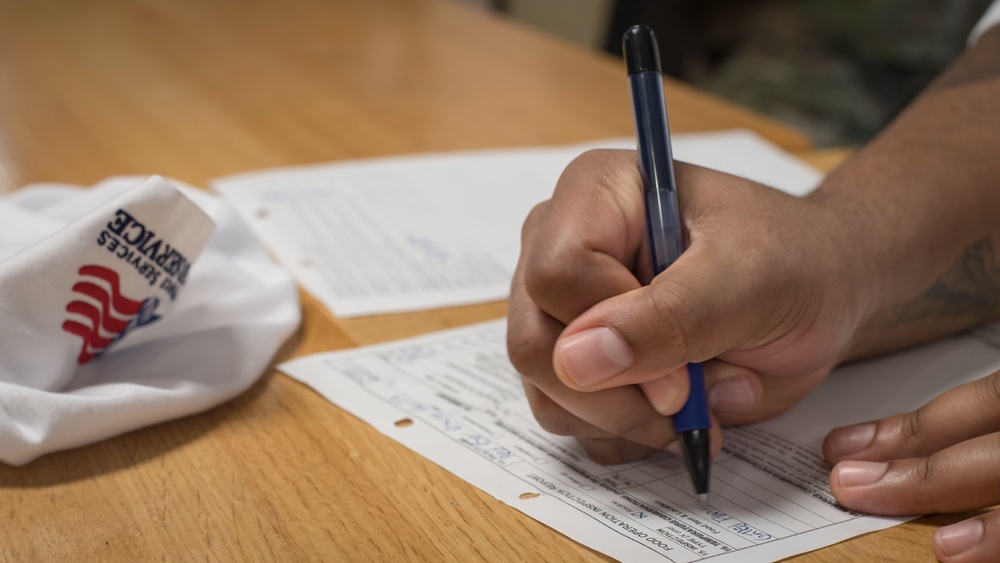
[{"x": 920, "y": 206}]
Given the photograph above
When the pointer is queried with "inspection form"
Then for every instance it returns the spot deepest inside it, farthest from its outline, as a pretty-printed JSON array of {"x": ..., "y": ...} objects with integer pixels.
[
  {"x": 454, "y": 398},
  {"x": 415, "y": 232}
]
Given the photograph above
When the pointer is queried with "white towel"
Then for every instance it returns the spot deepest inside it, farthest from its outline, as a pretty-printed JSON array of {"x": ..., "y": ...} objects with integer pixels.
[{"x": 120, "y": 307}]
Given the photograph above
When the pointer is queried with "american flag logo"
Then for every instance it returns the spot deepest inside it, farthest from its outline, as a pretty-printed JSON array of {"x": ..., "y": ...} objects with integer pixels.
[{"x": 102, "y": 315}]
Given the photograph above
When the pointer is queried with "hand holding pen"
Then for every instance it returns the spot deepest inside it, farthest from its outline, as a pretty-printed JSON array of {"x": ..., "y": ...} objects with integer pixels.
[
  {"x": 750, "y": 294},
  {"x": 585, "y": 329},
  {"x": 751, "y": 297}
]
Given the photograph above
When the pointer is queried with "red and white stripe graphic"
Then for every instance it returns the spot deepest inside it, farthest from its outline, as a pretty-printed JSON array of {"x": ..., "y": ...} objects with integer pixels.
[{"x": 105, "y": 313}]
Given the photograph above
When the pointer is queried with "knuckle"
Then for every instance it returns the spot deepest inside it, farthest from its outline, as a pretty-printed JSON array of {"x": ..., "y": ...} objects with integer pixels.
[
  {"x": 990, "y": 388},
  {"x": 640, "y": 428},
  {"x": 604, "y": 455},
  {"x": 612, "y": 451},
  {"x": 587, "y": 159},
  {"x": 596, "y": 162},
  {"x": 528, "y": 355},
  {"x": 545, "y": 280},
  {"x": 538, "y": 272},
  {"x": 911, "y": 426},
  {"x": 531, "y": 221},
  {"x": 552, "y": 418},
  {"x": 925, "y": 472}
]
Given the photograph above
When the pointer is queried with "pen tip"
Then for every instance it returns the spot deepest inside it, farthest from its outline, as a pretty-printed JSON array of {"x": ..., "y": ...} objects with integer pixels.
[{"x": 703, "y": 497}]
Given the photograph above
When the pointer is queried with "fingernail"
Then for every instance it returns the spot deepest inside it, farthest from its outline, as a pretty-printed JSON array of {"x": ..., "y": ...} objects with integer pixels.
[
  {"x": 960, "y": 537},
  {"x": 851, "y": 439},
  {"x": 859, "y": 473},
  {"x": 662, "y": 395},
  {"x": 593, "y": 356},
  {"x": 732, "y": 396}
]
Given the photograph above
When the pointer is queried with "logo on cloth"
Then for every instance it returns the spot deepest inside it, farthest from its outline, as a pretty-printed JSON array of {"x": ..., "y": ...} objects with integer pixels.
[{"x": 109, "y": 315}]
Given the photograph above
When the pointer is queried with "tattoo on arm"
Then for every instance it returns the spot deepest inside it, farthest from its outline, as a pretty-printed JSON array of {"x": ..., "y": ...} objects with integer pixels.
[
  {"x": 977, "y": 64},
  {"x": 971, "y": 287}
]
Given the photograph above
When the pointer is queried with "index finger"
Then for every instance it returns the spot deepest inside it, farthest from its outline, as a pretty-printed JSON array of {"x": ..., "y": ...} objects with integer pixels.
[
  {"x": 961, "y": 477},
  {"x": 623, "y": 412},
  {"x": 962, "y": 413},
  {"x": 583, "y": 249}
]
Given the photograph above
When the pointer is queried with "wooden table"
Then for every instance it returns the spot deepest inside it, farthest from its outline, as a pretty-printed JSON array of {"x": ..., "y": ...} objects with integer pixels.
[{"x": 195, "y": 90}]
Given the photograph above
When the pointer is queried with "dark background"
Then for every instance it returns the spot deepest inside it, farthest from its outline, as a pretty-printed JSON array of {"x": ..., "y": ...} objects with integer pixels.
[{"x": 838, "y": 70}]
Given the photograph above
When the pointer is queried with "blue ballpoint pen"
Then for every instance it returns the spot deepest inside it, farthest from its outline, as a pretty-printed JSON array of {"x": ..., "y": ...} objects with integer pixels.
[{"x": 663, "y": 225}]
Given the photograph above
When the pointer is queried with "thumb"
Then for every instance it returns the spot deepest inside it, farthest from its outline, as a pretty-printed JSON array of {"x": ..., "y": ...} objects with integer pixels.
[{"x": 690, "y": 313}]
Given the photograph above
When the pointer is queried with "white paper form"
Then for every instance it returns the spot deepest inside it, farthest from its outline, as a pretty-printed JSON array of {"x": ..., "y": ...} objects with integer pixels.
[
  {"x": 416, "y": 232},
  {"x": 454, "y": 398}
]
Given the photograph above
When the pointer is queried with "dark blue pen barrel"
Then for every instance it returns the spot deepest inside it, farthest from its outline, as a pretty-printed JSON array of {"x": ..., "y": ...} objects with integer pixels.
[
  {"x": 666, "y": 232},
  {"x": 693, "y": 415},
  {"x": 663, "y": 225},
  {"x": 667, "y": 247}
]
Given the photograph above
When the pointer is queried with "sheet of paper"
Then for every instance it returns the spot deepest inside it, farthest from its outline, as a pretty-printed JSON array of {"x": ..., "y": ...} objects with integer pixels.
[
  {"x": 415, "y": 232},
  {"x": 454, "y": 398}
]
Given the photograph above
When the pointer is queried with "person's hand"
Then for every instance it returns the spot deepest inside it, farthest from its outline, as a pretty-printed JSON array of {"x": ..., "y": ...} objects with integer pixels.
[
  {"x": 943, "y": 457},
  {"x": 765, "y": 295}
]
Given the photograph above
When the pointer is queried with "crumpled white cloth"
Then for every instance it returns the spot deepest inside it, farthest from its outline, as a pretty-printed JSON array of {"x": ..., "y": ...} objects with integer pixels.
[{"x": 122, "y": 305}]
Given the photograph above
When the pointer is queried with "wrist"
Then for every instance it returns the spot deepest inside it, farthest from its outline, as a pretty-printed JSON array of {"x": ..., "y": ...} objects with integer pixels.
[
  {"x": 921, "y": 202},
  {"x": 855, "y": 278}
]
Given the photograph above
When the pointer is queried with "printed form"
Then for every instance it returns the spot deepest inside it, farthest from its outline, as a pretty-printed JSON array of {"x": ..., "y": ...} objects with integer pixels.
[
  {"x": 454, "y": 398},
  {"x": 432, "y": 230}
]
